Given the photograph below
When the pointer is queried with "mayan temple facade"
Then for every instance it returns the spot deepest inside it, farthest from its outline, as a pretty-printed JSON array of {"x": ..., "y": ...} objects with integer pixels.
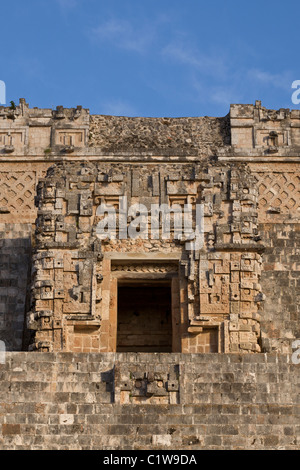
[{"x": 144, "y": 308}]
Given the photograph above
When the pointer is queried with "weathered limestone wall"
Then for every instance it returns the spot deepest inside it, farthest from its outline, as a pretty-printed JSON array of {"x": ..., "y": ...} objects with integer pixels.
[
  {"x": 278, "y": 185},
  {"x": 15, "y": 263},
  {"x": 279, "y": 226},
  {"x": 92, "y": 400},
  {"x": 267, "y": 141},
  {"x": 280, "y": 282},
  {"x": 141, "y": 401},
  {"x": 186, "y": 136}
]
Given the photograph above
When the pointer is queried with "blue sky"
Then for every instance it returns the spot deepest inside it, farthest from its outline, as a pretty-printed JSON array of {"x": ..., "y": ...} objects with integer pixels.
[{"x": 149, "y": 57}]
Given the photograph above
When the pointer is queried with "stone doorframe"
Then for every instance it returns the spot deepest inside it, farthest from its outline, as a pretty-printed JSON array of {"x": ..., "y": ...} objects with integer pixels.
[{"x": 135, "y": 267}]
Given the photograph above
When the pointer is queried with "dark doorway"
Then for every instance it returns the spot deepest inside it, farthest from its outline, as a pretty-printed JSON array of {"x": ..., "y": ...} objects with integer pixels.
[{"x": 144, "y": 318}]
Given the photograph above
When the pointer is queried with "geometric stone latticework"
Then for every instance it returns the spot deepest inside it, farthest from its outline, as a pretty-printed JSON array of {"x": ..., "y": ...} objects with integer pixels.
[
  {"x": 279, "y": 192},
  {"x": 17, "y": 191}
]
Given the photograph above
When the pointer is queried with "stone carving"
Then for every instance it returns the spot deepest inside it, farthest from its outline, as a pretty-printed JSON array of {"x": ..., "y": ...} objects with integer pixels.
[
  {"x": 145, "y": 268},
  {"x": 18, "y": 191},
  {"x": 222, "y": 280},
  {"x": 242, "y": 169},
  {"x": 147, "y": 387},
  {"x": 279, "y": 192}
]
